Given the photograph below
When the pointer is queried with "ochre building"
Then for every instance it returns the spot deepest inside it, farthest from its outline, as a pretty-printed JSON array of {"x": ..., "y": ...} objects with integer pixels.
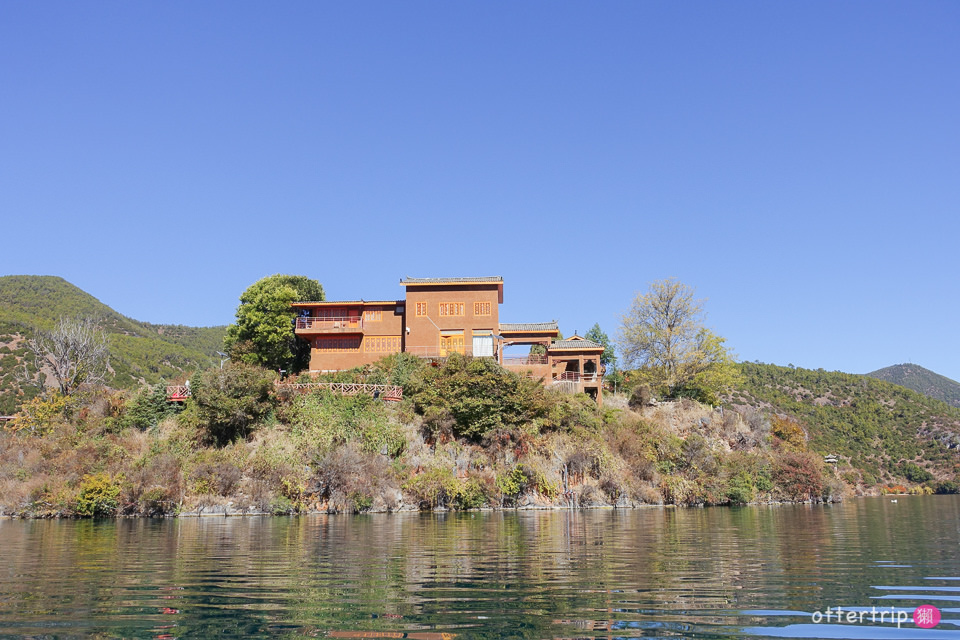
[{"x": 440, "y": 316}]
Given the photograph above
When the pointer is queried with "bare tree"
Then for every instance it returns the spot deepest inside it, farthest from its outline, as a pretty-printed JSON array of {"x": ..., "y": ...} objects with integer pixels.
[
  {"x": 664, "y": 336},
  {"x": 74, "y": 353}
]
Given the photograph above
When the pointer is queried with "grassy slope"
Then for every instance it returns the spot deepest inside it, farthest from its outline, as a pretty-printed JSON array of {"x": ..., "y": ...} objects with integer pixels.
[
  {"x": 922, "y": 380},
  {"x": 139, "y": 351},
  {"x": 876, "y": 424}
]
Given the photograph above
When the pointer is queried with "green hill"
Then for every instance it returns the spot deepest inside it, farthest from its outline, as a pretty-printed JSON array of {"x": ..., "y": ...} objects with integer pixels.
[
  {"x": 887, "y": 431},
  {"x": 139, "y": 351},
  {"x": 922, "y": 380}
]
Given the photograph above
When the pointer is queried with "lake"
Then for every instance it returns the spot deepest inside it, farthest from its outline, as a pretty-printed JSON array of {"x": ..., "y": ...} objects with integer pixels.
[{"x": 752, "y": 572}]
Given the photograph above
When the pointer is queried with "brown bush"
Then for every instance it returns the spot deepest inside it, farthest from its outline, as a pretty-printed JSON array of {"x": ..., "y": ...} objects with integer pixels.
[
  {"x": 798, "y": 476},
  {"x": 347, "y": 478},
  {"x": 154, "y": 487}
]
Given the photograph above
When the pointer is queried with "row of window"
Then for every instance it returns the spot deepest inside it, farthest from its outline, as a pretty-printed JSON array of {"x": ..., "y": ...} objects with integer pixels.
[
  {"x": 376, "y": 315},
  {"x": 371, "y": 344},
  {"x": 455, "y": 308},
  {"x": 382, "y": 344}
]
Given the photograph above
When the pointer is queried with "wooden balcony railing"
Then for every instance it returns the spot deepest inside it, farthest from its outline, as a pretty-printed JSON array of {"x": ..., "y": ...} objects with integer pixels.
[
  {"x": 178, "y": 392},
  {"x": 439, "y": 352},
  {"x": 521, "y": 361},
  {"x": 345, "y": 324},
  {"x": 575, "y": 376}
]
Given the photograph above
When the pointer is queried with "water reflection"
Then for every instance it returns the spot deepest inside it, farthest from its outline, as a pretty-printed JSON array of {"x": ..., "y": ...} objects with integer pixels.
[{"x": 701, "y": 573}]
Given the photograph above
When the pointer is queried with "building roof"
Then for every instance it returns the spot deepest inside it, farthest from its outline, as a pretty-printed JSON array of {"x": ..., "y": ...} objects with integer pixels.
[
  {"x": 538, "y": 327},
  {"x": 575, "y": 342},
  {"x": 476, "y": 280},
  {"x": 342, "y": 303}
]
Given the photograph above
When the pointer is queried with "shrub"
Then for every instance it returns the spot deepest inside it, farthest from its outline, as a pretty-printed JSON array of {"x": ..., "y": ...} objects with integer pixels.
[
  {"x": 679, "y": 490},
  {"x": 640, "y": 397},
  {"x": 947, "y": 486},
  {"x": 697, "y": 455},
  {"x": 740, "y": 488},
  {"x": 44, "y": 413},
  {"x": 476, "y": 397},
  {"x": 511, "y": 484},
  {"x": 346, "y": 477},
  {"x": 435, "y": 487},
  {"x": 788, "y": 431},
  {"x": 153, "y": 486},
  {"x": 471, "y": 494},
  {"x": 326, "y": 420},
  {"x": 798, "y": 476},
  {"x": 914, "y": 473},
  {"x": 99, "y": 495},
  {"x": 228, "y": 403},
  {"x": 148, "y": 408}
]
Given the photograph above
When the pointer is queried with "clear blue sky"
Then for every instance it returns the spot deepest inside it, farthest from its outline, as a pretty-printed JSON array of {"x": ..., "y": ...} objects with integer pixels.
[{"x": 797, "y": 163}]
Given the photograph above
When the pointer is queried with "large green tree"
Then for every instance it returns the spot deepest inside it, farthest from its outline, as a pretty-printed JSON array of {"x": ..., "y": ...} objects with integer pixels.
[
  {"x": 663, "y": 336},
  {"x": 598, "y": 335},
  {"x": 263, "y": 333}
]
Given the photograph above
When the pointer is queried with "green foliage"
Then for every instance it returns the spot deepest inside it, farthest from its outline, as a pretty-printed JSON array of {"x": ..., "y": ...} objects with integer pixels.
[
  {"x": 511, "y": 484},
  {"x": 263, "y": 333},
  {"x": 741, "y": 488},
  {"x": 930, "y": 384},
  {"x": 228, "y": 403},
  {"x": 475, "y": 397},
  {"x": 42, "y": 414},
  {"x": 947, "y": 486},
  {"x": 437, "y": 487},
  {"x": 664, "y": 337},
  {"x": 326, "y": 420},
  {"x": 596, "y": 334},
  {"x": 148, "y": 408},
  {"x": 874, "y": 424},
  {"x": 139, "y": 352},
  {"x": 396, "y": 369},
  {"x": 913, "y": 473},
  {"x": 99, "y": 495},
  {"x": 788, "y": 431}
]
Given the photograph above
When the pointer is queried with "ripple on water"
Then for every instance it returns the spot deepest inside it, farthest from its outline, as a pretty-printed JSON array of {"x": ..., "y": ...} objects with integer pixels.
[{"x": 677, "y": 573}]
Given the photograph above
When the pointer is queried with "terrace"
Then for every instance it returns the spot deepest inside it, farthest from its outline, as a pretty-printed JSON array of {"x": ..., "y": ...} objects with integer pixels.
[{"x": 337, "y": 324}]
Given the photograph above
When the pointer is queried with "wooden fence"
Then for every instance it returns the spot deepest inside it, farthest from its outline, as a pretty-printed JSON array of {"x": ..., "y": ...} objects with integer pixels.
[{"x": 387, "y": 392}]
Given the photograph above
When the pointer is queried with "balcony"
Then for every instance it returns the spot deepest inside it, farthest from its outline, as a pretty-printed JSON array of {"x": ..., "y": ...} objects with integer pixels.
[
  {"x": 576, "y": 376},
  {"x": 314, "y": 326}
]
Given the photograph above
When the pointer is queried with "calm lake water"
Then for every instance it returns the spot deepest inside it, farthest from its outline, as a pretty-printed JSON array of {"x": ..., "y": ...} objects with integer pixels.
[{"x": 751, "y": 572}]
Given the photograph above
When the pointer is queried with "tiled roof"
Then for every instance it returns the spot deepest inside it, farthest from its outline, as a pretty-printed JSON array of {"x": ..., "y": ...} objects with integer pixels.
[
  {"x": 489, "y": 279},
  {"x": 328, "y": 303},
  {"x": 582, "y": 343},
  {"x": 528, "y": 326}
]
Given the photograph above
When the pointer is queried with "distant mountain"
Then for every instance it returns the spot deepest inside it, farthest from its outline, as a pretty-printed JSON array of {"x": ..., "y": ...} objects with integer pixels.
[
  {"x": 883, "y": 429},
  {"x": 139, "y": 351},
  {"x": 913, "y": 376}
]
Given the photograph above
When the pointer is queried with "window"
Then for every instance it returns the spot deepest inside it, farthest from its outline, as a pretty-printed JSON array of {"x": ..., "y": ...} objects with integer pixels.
[
  {"x": 338, "y": 345},
  {"x": 421, "y": 308},
  {"x": 381, "y": 344},
  {"x": 451, "y": 308},
  {"x": 451, "y": 342},
  {"x": 483, "y": 343},
  {"x": 373, "y": 315},
  {"x": 481, "y": 308}
]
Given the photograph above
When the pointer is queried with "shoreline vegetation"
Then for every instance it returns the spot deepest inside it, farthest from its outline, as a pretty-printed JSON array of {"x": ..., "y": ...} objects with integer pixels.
[{"x": 467, "y": 435}]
